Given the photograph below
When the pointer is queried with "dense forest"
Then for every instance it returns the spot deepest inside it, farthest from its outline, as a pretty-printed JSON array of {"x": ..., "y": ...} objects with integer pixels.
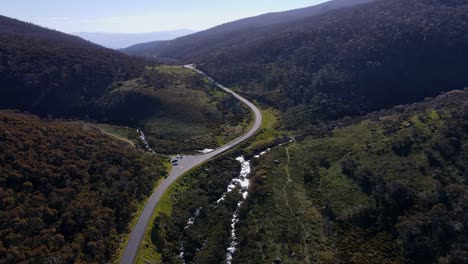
[
  {"x": 49, "y": 72},
  {"x": 67, "y": 192},
  {"x": 353, "y": 60}
]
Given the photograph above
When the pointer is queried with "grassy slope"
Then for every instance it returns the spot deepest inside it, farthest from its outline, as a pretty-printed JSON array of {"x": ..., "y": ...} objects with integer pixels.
[
  {"x": 269, "y": 130},
  {"x": 304, "y": 208},
  {"x": 179, "y": 111},
  {"x": 336, "y": 211},
  {"x": 122, "y": 133}
]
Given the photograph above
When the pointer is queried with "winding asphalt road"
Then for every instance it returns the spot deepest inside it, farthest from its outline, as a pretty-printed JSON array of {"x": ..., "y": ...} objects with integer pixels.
[{"x": 185, "y": 164}]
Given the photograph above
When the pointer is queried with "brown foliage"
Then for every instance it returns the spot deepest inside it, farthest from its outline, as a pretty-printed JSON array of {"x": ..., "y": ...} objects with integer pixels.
[{"x": 66, "y": 194}]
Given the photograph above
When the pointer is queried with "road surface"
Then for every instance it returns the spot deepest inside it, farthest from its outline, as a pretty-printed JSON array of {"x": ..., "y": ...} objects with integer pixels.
[{"x": 185, "y": 164}]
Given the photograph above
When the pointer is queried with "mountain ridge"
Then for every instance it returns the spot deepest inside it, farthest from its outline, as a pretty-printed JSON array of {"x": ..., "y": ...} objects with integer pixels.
[
  {"x": 49, "y": 72},
  {"x": 225, "y": 32},
  {"x": 352, "y": 60},
  {"x": 124, "y": 40}
]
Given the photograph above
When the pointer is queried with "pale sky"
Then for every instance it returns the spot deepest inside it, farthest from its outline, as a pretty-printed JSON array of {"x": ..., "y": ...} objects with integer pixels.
[{"x": 140, "y": 15}]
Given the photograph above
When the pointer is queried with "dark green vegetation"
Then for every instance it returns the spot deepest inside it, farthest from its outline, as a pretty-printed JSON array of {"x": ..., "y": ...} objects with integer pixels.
[
  {"x": 49, "y": 72},
  {"x": 176, "y": 108},
  {"x": 67, "y": 192},
  {"x": 388, "y": 187},
  {"x": 349, "y": 61},
  {"x": 391, "y": 188},
  {"x": 207, "y": 239},
  {"x": 196, "y": 46},
  {"x": 353, "y": 60}
]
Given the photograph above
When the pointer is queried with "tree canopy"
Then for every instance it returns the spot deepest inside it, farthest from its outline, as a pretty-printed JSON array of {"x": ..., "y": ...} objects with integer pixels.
[{"x": 67, "y": 193}]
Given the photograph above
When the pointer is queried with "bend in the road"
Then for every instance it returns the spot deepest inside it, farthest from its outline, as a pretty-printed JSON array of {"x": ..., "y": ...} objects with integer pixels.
[{"x": 185, "y": 164}]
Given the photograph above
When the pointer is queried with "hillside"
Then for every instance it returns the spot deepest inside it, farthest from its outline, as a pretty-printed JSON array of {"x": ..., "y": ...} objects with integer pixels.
[
  {"x": 11, "y": 26},
  {"x": 178, "y": 110},
  {"x": 362, "y": 154},
  {"x": 146, "y": 50},
  {"x": 53, "y": 74},
  {"x": 347, "y": 61},
  {"x": 352, "y": 61},
  {"x": 200, "y": 44},
  {"x": 389, "y": 187},
  {"x": 49, "y": 72},
  {"x": 123, "y": 40},
  {"x": 67, "y": 192}
]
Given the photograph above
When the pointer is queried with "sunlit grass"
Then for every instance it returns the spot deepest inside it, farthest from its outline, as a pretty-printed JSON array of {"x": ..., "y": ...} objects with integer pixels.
[
  {"x": 177, "y": 70},
  {"x": 268, "y": 130},
  {"x": 125, "y": 134}
]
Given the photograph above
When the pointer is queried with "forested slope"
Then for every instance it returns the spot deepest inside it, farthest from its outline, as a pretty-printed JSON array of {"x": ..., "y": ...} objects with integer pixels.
[
  {"x": 390, "y": 188},
  {"x": 67, "y": 193},
  {"x": 49, "y": 72},
  {"x": 352, "y": 60},
  {"x": 323, "y": 63},
  {"x": 196, "y": 46}
]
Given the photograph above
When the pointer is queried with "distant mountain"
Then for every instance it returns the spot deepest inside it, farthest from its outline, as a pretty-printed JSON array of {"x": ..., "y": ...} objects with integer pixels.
[
  {"x": 123, "y": 40},
  {"x": 229, "y": 34},
  {"x": 145, "y": 50},
  {"x": 49, "y": 72}
]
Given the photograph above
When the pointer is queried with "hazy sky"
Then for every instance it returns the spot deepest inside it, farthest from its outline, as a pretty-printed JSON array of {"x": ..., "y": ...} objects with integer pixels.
[{"x": 140, "y": 15}]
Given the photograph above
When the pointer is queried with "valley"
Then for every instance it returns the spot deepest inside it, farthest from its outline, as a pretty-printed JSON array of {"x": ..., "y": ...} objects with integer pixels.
[
  {"x": 178, "y": 111},
  {"x": 184, "y": 164},
  {"x": 330, "y": 133}
]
